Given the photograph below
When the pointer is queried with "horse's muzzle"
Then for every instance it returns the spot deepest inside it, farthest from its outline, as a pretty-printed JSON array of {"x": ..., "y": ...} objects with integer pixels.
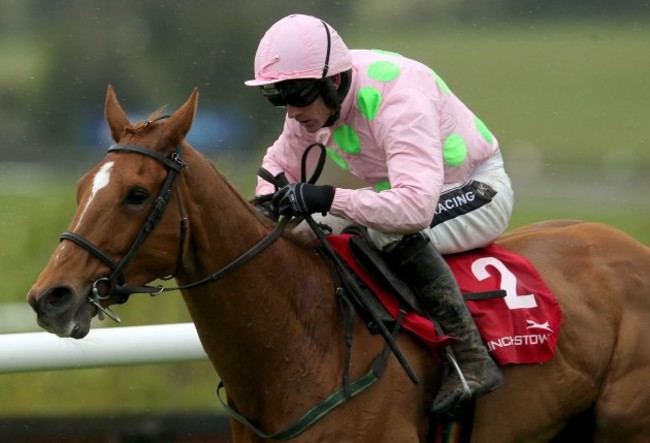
[{"x": 59, "y": 312}]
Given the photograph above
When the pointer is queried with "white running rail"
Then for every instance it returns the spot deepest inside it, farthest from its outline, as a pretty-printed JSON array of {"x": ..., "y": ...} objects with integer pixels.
[{"x": 115, "y": 346}]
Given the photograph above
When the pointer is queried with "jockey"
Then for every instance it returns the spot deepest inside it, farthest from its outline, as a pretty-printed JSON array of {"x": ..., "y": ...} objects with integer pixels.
[{"x": 435, "y": 176}]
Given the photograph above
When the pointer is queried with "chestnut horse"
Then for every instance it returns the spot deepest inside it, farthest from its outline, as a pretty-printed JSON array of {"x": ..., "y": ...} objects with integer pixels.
[{"x": 272, "y": 327}]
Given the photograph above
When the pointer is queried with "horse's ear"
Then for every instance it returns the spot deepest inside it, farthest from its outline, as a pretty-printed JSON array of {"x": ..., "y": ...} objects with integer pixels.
[
  {"x": 115, "y": 115},
  {"x": 180, "y": 123}
]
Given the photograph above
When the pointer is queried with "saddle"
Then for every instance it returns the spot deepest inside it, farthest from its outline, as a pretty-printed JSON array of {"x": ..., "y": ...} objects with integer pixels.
[
  {"x": 367, "y": 256},
  {"x": 516, "y": 313},
  {"x": 372, "y": 309}
]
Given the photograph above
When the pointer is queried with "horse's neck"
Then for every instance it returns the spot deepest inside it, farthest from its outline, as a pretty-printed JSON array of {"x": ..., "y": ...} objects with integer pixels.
[{"x": 268, "y": 315}]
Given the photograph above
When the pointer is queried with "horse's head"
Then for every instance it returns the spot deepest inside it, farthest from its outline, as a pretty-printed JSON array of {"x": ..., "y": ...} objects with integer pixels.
[{"x": 112, "y": 240}]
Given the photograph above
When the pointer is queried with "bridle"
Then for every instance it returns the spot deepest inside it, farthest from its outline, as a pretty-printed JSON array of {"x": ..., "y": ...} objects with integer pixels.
[{"x": 115, "y": 284}]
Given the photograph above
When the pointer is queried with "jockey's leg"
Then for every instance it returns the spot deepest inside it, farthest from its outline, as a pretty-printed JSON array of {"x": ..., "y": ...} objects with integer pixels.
[
  {"x": 473, "y": 214},
  {"x": 416, "y": 261}
]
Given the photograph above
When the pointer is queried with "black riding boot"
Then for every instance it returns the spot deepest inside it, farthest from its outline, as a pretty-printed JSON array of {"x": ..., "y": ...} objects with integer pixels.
[{"x": 417, "y": 262}]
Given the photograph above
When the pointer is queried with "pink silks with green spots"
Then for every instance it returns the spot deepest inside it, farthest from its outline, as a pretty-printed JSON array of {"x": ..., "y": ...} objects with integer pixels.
[{"x": 403, "y": 132}]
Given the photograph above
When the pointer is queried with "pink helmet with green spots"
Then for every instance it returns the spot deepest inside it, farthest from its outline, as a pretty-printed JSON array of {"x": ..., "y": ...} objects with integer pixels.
[{"x": 299, "y": 47}]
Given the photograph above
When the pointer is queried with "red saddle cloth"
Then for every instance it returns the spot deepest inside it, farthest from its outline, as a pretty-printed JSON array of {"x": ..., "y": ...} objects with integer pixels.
[{"x": 522, "y": 327}]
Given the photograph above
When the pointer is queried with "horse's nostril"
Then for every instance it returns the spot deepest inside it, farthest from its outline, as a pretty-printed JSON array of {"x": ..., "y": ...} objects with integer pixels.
[{"x": 58, "y": 296}]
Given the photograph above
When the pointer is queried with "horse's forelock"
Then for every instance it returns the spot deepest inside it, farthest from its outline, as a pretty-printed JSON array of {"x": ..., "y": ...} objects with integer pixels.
[
  {"x": 157, "y": 113},
  {"x": 147, "y": 124}
]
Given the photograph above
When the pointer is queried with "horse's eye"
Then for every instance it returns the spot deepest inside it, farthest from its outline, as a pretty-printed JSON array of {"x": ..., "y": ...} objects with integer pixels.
[{"x": 137, "y": 196}]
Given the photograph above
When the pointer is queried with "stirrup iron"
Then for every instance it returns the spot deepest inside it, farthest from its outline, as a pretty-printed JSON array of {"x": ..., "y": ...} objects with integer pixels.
[{"x": 467, "y": 393}]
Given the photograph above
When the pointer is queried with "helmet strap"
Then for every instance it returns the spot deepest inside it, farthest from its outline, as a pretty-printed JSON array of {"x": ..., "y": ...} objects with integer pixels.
[
  {"x": 327, "y": 54},
  {"x": 333, "y": 97}
]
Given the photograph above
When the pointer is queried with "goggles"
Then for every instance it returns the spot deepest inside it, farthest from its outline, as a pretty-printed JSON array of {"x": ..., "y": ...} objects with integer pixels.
[{"x": 299, "y": 93}]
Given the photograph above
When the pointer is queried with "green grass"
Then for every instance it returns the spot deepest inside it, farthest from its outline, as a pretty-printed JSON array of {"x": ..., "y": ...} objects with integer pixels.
[
  {"x": 575, "y": 94},
  {"x": 30, "y": 226},
  {"x": 137, "y": 389},
  {"x": 633, "y": 221}
]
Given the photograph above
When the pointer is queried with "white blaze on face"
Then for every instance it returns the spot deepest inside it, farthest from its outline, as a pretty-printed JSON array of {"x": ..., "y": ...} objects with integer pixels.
[{"x": 101, "y": 180}]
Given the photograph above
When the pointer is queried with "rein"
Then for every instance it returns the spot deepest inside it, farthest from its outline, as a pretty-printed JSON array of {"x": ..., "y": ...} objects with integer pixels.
[{"x": 343, "y": 283}]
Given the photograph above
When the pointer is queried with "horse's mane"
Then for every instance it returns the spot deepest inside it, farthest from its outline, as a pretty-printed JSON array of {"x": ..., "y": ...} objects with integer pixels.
[{"x": 303, "y": 240}]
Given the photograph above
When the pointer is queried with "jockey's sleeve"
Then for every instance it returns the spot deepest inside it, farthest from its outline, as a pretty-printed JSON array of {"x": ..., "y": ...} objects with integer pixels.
[{"x": 406, "y": 131}]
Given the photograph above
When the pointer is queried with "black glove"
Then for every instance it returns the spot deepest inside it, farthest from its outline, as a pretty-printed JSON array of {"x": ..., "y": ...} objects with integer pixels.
[
  {"x": 268, "y": 209},
  {"x": 303, "y": 199}
]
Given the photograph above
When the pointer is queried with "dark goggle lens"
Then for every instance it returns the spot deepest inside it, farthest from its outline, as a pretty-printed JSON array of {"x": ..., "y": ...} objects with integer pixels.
[
  {"x": 298, "y": 93},
  {"x": 275, "y": 99}
]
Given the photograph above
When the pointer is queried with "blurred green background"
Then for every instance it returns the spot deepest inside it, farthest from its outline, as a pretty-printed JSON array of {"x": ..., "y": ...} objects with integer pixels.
[{"x": 562, "y": 86}]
